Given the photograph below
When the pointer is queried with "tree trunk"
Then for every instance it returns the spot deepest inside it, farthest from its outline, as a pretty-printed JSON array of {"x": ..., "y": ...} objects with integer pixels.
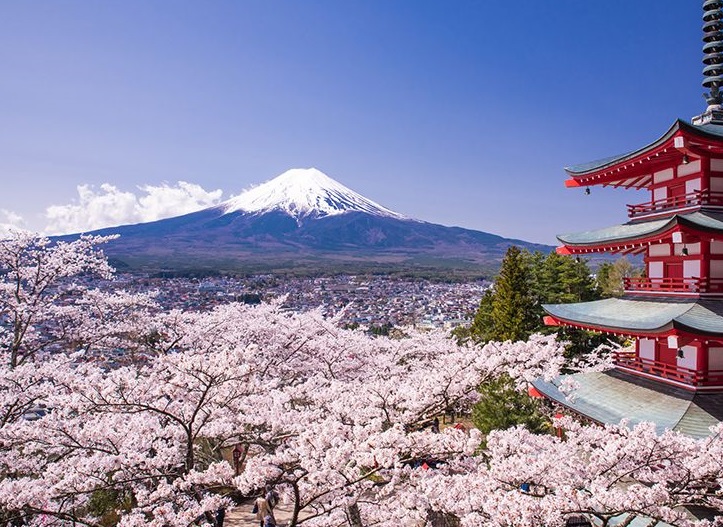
[
  {"x": 441, "y": 519},
  {"x": 297, "y": 506},
  {"x": 354, "y": 516},
  {"x": 190, "y": 460}
]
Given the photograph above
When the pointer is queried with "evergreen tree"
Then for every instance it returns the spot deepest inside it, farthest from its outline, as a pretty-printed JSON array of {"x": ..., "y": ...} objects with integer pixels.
[
  {"x": 513, "y": 313},
  {"x": 565, "y": 280},
  {"x": 501, "y": 406},
  {"x": 480, "y": 329},
  {"x": 611, "y": 276},
  {"x": 512, "y": 310},
  {"x": 548, "y": 279}
]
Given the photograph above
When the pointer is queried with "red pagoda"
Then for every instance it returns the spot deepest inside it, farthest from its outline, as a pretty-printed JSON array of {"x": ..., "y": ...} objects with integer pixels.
[{"x": 674, "y": 375}]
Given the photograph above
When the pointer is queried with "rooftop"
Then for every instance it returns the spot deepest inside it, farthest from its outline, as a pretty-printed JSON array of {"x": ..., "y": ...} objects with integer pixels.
[
  {"x": 612, "y": 396},
  {"x": 643, "y": 316},
  {"x": 636, "y": 230}
]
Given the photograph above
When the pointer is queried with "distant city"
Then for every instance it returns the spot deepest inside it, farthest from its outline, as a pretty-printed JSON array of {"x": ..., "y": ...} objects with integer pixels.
[{"x": 374, "y": 301}]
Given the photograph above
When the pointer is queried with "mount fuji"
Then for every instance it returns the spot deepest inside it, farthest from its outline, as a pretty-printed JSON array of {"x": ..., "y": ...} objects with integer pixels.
[
  {"x": 303, "y": 221},
  {"x": 304, "y": 193}
]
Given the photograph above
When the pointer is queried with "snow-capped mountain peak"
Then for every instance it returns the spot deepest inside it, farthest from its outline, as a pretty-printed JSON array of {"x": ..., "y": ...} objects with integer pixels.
[{"x": 303, "y": 192}]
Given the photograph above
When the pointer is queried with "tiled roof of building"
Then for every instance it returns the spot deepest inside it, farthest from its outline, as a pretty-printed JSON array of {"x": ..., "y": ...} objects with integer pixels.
[
  {"x": 644, "y": 315},
  {"x": 615, "y": 395},
  {"x": 706, "y": 130},
  {"x": 635, "y": 230}
]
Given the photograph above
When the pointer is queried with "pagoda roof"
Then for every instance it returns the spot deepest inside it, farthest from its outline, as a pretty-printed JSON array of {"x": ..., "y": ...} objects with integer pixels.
[
  {"x": 612, "y": 396},
  {"x": 635, "y": 168},
  {"x": 641, "y": 317},
  {"x": 638, "y": 231}
]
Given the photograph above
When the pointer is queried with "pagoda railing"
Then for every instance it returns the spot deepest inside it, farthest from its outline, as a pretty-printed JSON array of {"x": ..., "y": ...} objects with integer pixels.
[
  {"x": 673, "y": 285},
  {"x": 630, "y": 361},
  {"x": 692, "y": 199}
]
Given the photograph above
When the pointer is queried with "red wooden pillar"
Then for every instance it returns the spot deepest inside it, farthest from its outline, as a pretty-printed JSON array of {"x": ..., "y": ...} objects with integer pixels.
[
  {"x": 701, "y": 362},
  {"x": 704, "y": 175},
  {"x": 705, "y": 264}
]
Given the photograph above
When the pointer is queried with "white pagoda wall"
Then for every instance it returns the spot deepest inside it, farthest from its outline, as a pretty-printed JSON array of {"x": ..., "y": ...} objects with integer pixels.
[
  {"x": 715, "y": 358},
  {"x": 691, "y": 268},
  {"x": 716, "y": 175},
  {"x": 690, "y": 357},
  {"x": 716, "y": 268},
  {"x": 646, "y": 349},
  {"x": 689, "y": 168}
]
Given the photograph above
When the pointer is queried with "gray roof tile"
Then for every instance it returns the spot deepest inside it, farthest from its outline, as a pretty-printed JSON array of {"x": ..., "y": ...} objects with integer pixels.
[
  {"x": 639, "y": 229},
  {"x": 615, "y": 395}
]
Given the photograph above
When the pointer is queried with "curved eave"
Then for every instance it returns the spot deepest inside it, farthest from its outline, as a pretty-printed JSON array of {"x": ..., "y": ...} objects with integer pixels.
[
  {"x": 636, "y": 317},
  {"x": 612, "y": 396},
  {"x": 635, "y": 169},
  {"x": 633, "y": 236}
]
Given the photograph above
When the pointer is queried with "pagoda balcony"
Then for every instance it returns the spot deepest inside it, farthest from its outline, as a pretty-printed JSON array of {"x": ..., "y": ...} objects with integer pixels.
[
  {"x": 696, "y": 378},
  {"x": 698, "y": 198},
  {"x": 692, "y": 285}
]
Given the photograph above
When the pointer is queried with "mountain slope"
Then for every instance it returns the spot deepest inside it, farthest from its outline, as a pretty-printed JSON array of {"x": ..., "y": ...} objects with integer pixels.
[{"x": 304, "y": 219}]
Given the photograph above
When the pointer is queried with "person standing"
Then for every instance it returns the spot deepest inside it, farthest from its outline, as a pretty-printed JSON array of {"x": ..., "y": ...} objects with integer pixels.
[
  {"x": 262, "y": 510},
  {"x": 272, "y": 497},
  {"x": 220, "y": 516}
]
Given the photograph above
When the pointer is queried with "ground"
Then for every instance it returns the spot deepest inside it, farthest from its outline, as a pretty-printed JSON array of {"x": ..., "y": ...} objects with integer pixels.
[{"x": 242, "y": 516}]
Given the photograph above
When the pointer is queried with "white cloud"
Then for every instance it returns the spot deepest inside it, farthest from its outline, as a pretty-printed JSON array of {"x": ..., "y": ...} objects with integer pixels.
[
  {"x": 9, "y": 222},
  {"x": 109, "y": 206}
]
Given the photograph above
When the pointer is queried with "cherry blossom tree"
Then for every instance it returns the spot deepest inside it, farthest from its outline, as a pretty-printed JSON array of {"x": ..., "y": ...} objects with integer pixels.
[
  {"x": 335, "y": 419},
  {"x": 612, "y": 474},
  {"x": 338, "y": 420},
  {"x": 37, "y": 278}
]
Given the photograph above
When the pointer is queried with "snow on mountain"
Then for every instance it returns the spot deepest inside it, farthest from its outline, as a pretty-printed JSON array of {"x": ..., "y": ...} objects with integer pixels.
[{"x": 301, "y": 192}]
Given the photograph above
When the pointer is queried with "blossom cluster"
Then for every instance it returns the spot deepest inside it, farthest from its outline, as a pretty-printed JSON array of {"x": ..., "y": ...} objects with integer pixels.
[{"x": 336, "y": 419}]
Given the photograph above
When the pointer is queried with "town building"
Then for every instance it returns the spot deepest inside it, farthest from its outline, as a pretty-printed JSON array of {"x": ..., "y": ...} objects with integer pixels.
[{"x": 674, "y": 374}]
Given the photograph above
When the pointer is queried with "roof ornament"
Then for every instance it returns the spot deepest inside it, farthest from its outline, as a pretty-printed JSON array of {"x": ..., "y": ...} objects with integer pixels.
[{"x": 712, "y": 62}]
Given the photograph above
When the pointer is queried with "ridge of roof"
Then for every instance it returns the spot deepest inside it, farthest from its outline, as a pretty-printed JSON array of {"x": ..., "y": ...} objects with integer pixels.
[
  {"x": 614, "y": 395},
  {"x": 708, "y": 129},
  {"x": 704, "y": 219},
  {"x": 643, "y": 315},
  {"x": 580, "y": 169}
]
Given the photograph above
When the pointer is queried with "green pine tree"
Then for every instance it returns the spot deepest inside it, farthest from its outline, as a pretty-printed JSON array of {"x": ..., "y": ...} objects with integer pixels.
[
  {"x": 611, "y": 276},
  {"x": 480, "y": 329},
  {"x": 513, "y": 313},
  {"x": 501, "y": 406}
]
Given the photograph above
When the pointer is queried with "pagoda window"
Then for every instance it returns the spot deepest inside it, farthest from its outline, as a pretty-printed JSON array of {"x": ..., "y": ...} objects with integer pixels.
[
  {"x": 716, "y": 247},
  {"x": 716, "y": 268},
  {"x": 664, "y": 250},
  {"x": 660, "y": 193},
  {"x": 690, "y": 168},
  {"x": 715, "y": 359},
  {"x": 692, "y": 185},
  {"x": 691, "y": 269},
  {"x": 693, "y": 248},
  {"x": 663, "y": 175},
  {"x": 655, "y": 270},
  {"x": 687, "y": 357},
  {"x": 716, "y": 183},
  {"x": 646, "y": 349},
  {"x": 716, "y": 165}
]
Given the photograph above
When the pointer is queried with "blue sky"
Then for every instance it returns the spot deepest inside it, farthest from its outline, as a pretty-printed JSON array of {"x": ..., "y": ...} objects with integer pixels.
[{"x": 455, "y": 112}]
